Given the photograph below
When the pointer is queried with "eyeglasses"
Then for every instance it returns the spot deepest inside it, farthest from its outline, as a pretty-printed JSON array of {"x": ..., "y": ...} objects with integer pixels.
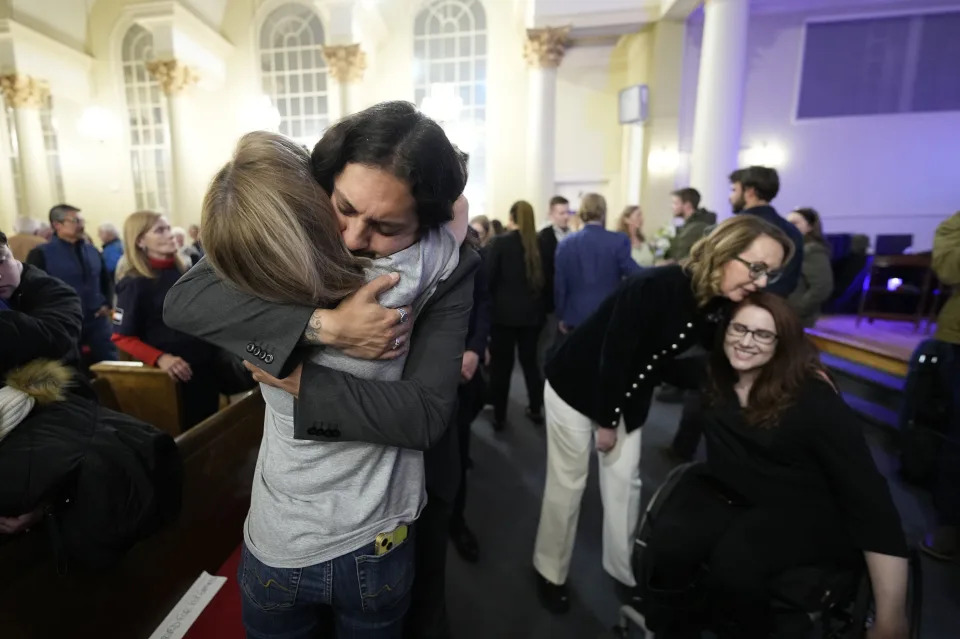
[
  {"x": 759, "y": 269},
  {"x": 762, "y": 336},
  {"x": 72, "y": 220}
]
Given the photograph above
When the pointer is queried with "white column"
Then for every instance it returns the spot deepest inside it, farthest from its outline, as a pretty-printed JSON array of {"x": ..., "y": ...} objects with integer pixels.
[
  {"x": 716, "y": 127},
  {"x": 27, "y": 95},
  {"x": 631, "y": 162},
  {"x": 175, "y": 78},
  {"x": 346, "y": 64},
  {"x": 543, "y": 50}
]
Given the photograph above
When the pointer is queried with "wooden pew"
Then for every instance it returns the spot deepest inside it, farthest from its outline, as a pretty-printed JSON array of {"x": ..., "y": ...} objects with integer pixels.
[
  {"x": 144, "y": 392},
  {"x": 131, "y": 599}
]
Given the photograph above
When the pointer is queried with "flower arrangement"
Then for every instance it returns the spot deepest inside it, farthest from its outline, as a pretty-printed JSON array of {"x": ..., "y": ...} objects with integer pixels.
[{"x": 662, "y": 240}]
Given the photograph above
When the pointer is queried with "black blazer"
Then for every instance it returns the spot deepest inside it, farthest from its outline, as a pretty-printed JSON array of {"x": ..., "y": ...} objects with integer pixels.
[
  {"x": 514, "y": 302},
  {"x": 611, "y": 363},
  {"x": 547, "y": 238}
]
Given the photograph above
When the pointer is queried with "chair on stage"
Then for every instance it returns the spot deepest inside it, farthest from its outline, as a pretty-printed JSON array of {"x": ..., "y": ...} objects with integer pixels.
[{"x": 914, "y": 289}]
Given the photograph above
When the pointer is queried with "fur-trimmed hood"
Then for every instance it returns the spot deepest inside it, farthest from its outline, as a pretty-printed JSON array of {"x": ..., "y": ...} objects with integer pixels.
[{"x": 41, "y": 382}]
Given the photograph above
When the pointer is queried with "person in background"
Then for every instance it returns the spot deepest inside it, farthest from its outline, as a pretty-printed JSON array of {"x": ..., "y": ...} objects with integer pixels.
[
  {"x": 26, "y": 238},
  {"x": 696, "y": 221},
  {"x": 815, "y": 285},
  {"x": 789, "y": 482},
  {"x": 40, "y": 316},
  {"x": 600, "y": 382},
  {"x": 944, "y": 541},
  {"x": 496, "y": 226},
  {"x": 590, "y": 265},
  {"x": 112, "y": 247},
  {"x": 481, "y": 224},
  {"x": 515, "y": 276},
  {"x": 548, "y": 238},
  {"x": 470, "y": 401},
  {"x": 68, "y": 257},
  {"x": 45, "y": 231},
  {"x": 150, "y": 269},
  {"x": 631, "y": 225},
  {"x": 195, "y": 237},
  {"x": 189, "y": 254},
  {"x": 751, "y": 191}
]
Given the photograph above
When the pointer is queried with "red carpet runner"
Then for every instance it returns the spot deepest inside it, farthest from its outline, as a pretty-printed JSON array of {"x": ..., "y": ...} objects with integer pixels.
[{"x": 221, "y": 619}]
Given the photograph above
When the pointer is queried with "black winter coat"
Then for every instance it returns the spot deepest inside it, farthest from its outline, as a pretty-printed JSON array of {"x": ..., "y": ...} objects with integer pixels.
[{"x": 106, "y": 479}]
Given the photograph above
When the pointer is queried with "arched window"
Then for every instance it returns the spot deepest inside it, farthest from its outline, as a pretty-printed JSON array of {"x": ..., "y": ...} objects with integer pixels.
[
  {"x": 149, "y": 128},
  {"x": 294, "y": 72},
  {"x": 450, "y": 70}
]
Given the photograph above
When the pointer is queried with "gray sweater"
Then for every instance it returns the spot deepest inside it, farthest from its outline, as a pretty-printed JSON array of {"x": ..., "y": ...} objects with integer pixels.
[{"x": 313, "y": 501}]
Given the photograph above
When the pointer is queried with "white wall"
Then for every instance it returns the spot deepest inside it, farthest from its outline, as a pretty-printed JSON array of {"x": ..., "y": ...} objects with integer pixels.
[
  {"x": 876, "y": 174},
  {"x": 588, "y": 135}
]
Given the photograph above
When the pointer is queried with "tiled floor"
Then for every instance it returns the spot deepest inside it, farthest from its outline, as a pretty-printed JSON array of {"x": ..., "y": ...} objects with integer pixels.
[{"x": 497, "y": 598}]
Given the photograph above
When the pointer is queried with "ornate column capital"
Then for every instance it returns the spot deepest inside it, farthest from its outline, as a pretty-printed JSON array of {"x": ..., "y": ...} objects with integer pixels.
[
  {"x": 346, "y": 63},
  {"x": 545, "y": 47},
  {"x": 23, "y": 91},
  {"x": 174, "y": 76}
]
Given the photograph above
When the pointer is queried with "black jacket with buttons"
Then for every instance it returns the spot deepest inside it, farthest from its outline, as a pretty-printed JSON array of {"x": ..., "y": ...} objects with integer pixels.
[{"x": 609, "y": 366}]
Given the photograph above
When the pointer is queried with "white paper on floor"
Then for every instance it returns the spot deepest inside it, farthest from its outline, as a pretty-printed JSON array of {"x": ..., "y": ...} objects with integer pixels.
[{"x": 188, "y": 609}]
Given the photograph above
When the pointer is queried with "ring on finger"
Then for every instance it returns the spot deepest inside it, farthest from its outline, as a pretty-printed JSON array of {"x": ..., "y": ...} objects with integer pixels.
[
  {"x": 396, "y": 343},
  {"x": 403, "y": 316}
]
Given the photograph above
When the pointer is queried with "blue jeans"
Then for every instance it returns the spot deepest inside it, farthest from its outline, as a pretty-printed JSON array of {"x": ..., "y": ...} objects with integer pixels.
[{"x": 355, "y": 596}]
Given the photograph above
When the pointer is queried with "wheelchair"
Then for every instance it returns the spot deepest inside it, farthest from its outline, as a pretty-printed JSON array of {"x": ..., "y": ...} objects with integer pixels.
[{"x": 812, "y": 602}]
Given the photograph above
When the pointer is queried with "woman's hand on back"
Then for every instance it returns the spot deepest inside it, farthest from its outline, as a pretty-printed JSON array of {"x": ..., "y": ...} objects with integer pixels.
[{"x": 360, "y": 327}]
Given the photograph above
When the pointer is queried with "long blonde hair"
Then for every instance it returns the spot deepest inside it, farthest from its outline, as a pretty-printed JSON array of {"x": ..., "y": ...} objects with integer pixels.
[
  {"x": 135, "y": 262},
  {"x": 521, "y": 214},
  {"x": 270, "y": 229},
  {"x": 726, "y": 242}
]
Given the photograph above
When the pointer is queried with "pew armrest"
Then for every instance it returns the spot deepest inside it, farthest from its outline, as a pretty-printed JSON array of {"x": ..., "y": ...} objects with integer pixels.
[{"x": 144, "y": 392}]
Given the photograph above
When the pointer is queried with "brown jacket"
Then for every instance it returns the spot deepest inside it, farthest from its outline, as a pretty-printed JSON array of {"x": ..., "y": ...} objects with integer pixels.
[{"x": 21, "y": 244}]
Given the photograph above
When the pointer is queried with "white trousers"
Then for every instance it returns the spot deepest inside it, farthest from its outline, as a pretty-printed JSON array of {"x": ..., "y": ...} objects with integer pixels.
[{"x": 569, "y": 443}]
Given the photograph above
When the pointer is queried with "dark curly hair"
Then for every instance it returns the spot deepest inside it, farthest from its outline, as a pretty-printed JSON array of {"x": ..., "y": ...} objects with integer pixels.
[{"x": 396, "y": 137}]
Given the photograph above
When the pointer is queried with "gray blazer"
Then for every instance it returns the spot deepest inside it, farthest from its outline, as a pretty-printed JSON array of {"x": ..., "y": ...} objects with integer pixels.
[{"x": 412, "y": 413}]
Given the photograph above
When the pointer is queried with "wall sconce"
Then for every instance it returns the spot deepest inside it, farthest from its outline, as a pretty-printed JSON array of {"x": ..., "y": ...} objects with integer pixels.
[
  {"x": 764, "y": 154},
  {"x": 258, "y": 114},
  {"x": 98, "y": 124},
  {"x": 663, "y": 161}
]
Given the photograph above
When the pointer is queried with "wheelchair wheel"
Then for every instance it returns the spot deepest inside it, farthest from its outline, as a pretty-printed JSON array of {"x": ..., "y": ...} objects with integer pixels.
[{"x": 852, "y": 623}]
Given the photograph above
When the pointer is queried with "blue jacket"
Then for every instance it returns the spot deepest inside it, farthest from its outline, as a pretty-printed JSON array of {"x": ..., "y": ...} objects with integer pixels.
[
  {"x": 590, "y": 265},
  {"x": 81, "y": 267},
  {"x": 112, "y": 252},
  {"x": 791, "y": 271}
]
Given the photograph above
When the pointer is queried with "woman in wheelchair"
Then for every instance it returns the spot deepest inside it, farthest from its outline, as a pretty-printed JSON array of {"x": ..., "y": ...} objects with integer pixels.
[{"x": 789, "y": 482}]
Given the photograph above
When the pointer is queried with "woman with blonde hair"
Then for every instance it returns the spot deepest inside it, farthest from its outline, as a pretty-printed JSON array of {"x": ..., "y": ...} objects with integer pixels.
[
  {"x": 601, "y": 379},
  {"x": 149, "y": 269},
  {"x": 516, "y": 290},
  {"x": 631, "y": 225}
]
